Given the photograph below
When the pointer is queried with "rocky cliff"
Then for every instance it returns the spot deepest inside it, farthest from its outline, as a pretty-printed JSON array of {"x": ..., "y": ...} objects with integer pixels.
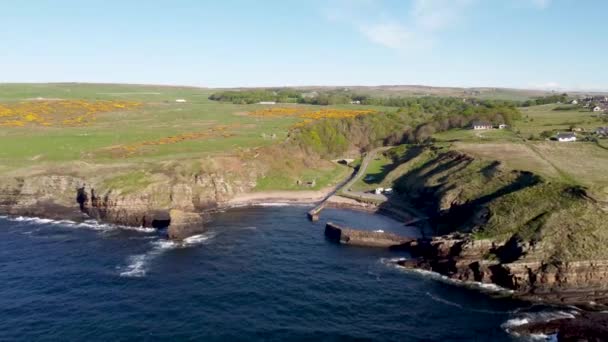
[
  {"x": 542, "y": 238},
  {"x": 160, "y": 201}
]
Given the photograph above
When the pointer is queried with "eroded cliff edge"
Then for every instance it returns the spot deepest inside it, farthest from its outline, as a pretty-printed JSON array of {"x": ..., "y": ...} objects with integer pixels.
[
  {"x": 544, "y": 239},
  {"x": 146, "y": 199}
]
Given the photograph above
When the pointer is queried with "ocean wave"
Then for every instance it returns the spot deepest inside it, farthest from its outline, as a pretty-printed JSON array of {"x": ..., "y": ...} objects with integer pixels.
[
  {"x": 483, "y": 287},
  {"x": 89, "y": 224},
  {"x": 542, "y": 316},
  {"x": 535, "y": 317},
  {"x": 138, "y": 265}
]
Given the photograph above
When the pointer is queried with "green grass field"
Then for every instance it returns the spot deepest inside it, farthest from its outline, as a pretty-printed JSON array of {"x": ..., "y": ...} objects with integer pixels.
[
  {"x": 158, "y": 130},
  {"x": 544, "y": 118}
]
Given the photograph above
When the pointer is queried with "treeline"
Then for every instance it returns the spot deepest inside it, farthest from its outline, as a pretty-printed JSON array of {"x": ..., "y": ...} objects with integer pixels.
[
  {"x": 334, "y": 137},
  {"x": 257, "y": 95},
  {"x": 337, "y": 97},
  {"x": 558, "y": 98}
]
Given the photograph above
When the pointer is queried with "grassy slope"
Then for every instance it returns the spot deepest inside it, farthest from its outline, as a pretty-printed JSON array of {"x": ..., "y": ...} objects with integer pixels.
[
  {"x": 47, "y": 148},
  {"x": 490, "y": 199}
]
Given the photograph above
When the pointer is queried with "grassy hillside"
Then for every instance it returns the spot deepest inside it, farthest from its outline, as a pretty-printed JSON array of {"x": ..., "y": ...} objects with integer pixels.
[
  {"x": 97, "y": 129},
  {"x": 46, "y": 127},
  {"x": 491, "y": 200}
]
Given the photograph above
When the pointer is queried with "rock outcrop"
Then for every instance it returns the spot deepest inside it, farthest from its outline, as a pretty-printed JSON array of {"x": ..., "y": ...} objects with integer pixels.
[
  {"x": 162, "y": 202},
  {"x": 184, "y": 224},
  {"x": 512, "y": 265},
  {"x": 586, "y": 326}
]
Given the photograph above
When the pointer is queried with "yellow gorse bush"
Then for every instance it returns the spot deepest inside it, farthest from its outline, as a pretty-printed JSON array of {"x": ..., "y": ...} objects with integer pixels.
[
  {"x": 59, "y": 112},
  {"x": 138, "y": 147}
]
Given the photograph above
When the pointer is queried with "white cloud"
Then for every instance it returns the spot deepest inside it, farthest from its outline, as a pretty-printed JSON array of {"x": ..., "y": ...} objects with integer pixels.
[
  {"x": 391, "y": 35},
  {"x": 417, "y": 28},
  {"x": 422, "y": 23},
  {"x": 436, "y": 15},
  {"x": 542, "y": 4}
]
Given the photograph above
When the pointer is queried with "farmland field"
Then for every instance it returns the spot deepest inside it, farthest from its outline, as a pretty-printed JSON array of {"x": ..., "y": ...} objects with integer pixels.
[{"x": 544, "y": 118}]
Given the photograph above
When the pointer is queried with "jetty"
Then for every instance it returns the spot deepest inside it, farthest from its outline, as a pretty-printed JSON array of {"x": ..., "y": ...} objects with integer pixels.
[{"x": 364, "y": 238}]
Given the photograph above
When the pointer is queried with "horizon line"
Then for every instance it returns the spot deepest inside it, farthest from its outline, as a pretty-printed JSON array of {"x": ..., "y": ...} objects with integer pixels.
[{"x": 176, "y": 85}]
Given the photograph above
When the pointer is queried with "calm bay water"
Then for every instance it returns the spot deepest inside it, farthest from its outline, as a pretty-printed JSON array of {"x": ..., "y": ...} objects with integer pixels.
[{"x": 258, "y": 274}]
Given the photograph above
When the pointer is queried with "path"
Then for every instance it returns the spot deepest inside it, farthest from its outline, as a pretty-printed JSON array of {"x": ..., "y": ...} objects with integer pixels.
[{"x": 313, "y": 214}]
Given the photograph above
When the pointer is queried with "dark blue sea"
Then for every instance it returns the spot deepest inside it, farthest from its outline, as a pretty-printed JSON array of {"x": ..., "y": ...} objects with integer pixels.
[{"x": 258, "y": 274}]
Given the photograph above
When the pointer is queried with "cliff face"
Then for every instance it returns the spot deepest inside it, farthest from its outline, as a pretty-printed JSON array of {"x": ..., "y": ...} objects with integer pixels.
[
  {"x": 161, "y": 202},
  {"x": 543, "y": 239}
]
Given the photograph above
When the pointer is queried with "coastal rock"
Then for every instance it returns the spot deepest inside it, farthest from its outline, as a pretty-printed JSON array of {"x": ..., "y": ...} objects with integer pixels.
[
  {"x": 586, "y": 326},
  {"x": 466, "y": 259},
  {"x": 184, "y": 224}
]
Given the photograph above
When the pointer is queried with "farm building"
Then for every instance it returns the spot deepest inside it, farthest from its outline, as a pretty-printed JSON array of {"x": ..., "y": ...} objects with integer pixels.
[
  {"x": 574, "y": 102},
  {"x": 503, "y": 126},
  {"x": 478, "y": 125},
  {"x": 181, "y": 101},
  {"x": 597, "y": 109},
  {"x": 267, "y": 103},
  {"x": 566, "y": 137}
]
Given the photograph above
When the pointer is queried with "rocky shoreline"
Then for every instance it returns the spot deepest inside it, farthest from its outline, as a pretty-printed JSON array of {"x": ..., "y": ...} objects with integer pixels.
[{"x": 183, "y": 209}]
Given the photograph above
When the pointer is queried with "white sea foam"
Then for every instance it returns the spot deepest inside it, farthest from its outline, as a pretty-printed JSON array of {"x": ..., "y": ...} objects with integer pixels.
[
  {"x": 138, "y": 265},
  {"x": 515, "y": 322},
  {"x": 89, "y": 224},
  {"x": 198, "y": 239},
  {"x": 534, "y": 317},
  {"x": 483, "y": 287},
  {"x": 444, "y": 301}
]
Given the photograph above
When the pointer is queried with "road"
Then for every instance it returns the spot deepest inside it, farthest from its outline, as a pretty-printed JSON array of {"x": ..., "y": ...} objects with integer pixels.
[{"x": 362, "y": 172}]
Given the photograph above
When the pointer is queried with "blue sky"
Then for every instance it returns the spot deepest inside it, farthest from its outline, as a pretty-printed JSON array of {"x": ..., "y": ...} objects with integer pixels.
[{"x": 551, "y": 44}]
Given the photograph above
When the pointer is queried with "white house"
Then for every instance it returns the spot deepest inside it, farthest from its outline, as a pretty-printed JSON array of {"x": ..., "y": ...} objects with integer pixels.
[
  {"x": 379, "y": 191},
  {"x": 502, "y": 126},
  {"x": 181, "y": 101},
  {"x": 478, "y": 125},
  {"x": 566, "y": 137},
  {"x": 597, "y": 109},
  {"x": 574, "y": 102},
  {"x": 355, "y": 102},
  {"x": 267, "y": 103}
]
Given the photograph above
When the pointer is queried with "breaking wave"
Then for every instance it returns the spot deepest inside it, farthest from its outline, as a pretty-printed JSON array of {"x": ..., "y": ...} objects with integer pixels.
[
  {"x": 138, "y": 265},
  {"x": 546, "y": 315},
  {"x": 89, "y": 224},
  {"x": 483, "y": 287}
]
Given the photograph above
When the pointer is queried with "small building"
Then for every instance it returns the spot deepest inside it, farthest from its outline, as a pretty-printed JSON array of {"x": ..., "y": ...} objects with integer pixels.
[
  {"x": 479, "y": 125},
  {"x": 574, "y": 102},
  {"x": 181, "y": 101},
  {"x": 388, "y": 191},
  {"x": 267, "y": 103},
  {"x": 503, "y": 126},
  {"x": 355, "y": 102},
  {"x": 566, "y": 137},
  {"x": 597, "y": 109},
  {"x": 379, "y": 191}
]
